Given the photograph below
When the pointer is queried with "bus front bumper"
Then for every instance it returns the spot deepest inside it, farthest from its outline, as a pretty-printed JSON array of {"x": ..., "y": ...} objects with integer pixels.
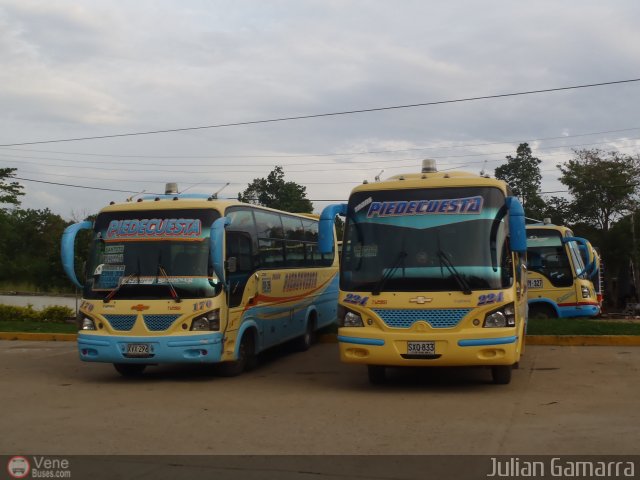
[
  {"x": 200, "y": 348},
  {"x": 391, "y": 348},
  {"x": 579, "y": 310}
]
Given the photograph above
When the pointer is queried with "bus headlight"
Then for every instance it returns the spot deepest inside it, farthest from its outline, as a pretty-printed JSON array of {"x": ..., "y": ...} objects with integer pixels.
[
  {"x": 503, "y": 317},
  {"x": 207, "y": 321},
  {"x": 87, "y": 324},
  {"x": 585, "y": 291},
  {"x": 347, "y": 318}
]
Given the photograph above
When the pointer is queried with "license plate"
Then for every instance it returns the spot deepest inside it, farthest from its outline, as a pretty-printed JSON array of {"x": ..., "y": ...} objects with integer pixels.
[
  {"x": 421, "y": 348},
  {"x": 138, "y": 350},
  {"x": 534, "y": 283}
]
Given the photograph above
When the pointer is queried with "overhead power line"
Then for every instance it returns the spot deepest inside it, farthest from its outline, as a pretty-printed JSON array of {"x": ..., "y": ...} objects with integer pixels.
[
  {"x": 150, "y": 193},
  {"x": 8, "y": 158},
  {"x": 330, "y": 154},
  {"x": 321, "y": 115}
]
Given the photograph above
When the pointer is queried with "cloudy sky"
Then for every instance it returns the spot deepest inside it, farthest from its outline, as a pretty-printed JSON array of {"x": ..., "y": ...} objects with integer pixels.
[{"x": 72, "y": 69}]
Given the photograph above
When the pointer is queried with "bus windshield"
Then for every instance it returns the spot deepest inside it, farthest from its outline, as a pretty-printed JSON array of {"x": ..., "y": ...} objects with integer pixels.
[
  {"x": 439, "y": 239},
  {"x": 547, "y": 255},
  {"x": 151, "y": 254}
]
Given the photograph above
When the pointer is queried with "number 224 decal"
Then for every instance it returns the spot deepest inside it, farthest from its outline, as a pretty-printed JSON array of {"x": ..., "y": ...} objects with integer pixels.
[
  {"x": 490, "y": 298},
  {"x": 355, "y": 299}
]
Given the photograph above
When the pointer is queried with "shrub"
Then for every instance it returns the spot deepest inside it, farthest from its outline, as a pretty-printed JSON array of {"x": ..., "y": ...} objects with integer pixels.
[
  {"x": 56, "y": 313},
  {"x": 28, "y": 314}
]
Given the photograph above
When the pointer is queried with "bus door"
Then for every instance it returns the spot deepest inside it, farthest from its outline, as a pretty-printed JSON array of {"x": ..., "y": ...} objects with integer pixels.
[{"x": 240, "y": 268}]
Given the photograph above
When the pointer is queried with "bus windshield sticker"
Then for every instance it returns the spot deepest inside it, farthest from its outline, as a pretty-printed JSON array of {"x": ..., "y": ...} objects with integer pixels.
[
  {"x": 362, "y": 204},
  {"x": 365, "y": 251},
  {"x": 149, "y": 228},
  {"x": 453, "y": 206},
  {"x": 110, "y": 276},
  {"x": 113, "y": 249}
]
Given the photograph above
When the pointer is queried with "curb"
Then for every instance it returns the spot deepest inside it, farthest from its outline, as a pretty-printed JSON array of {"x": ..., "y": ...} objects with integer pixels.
[{"x": 557, "y": 340}]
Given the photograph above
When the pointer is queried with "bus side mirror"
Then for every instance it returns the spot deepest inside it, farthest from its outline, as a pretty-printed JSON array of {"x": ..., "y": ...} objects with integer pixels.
[
  {"x": 517, "y": 229},
  {"x": 325, "y": 227},
  {"x": 216, "y": 246},
  {"x": 67, "y": 249},
  {"x": 583, "y": 246}
]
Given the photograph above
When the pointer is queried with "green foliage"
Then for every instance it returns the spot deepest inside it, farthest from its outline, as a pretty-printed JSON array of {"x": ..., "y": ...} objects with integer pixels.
[
  {"x": 559, "y": 210},
  {"x": 30, "y": 249},
  {"x": 10, "y": 313},
  {"x": 603, "y": 186},
  {"x": 580, "y": 326},
  {"x": 9, "y": 191},
  {"x": 522, "y": 174},
  {"x": 37, "y": 327},
  {"x": 274, "y": 192}
]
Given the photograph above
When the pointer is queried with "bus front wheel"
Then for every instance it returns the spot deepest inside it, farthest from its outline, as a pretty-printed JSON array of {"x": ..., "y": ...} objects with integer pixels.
[
  {"x": 501, "y": 374},
  {"x": 129, "y": 369},
  {"x": 246, "y": 358},
  {"x": 542, "y": 311}
]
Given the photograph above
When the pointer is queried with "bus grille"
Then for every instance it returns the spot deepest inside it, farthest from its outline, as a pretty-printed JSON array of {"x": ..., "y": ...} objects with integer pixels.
[
  {"x": 437, "y": 318},
  {"x": 122, "y": 323},
  {"x": 158, "y": 323}
]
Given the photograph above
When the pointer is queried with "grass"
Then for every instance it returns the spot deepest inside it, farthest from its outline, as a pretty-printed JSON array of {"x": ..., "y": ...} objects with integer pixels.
[
  {"x": 30, "y": 326},
  {"x": 581, "y": 326}
]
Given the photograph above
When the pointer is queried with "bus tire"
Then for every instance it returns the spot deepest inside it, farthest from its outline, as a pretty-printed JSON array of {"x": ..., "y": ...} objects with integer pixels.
[
  {"x": 542, "y": 311},
  {"x": 377, "y": 374},
  {"x": 501, "y": 374},
  {"x": 247, "y": 359},
  {"x": 129, "y": 369},
  {"x": 308, "y": 338}
]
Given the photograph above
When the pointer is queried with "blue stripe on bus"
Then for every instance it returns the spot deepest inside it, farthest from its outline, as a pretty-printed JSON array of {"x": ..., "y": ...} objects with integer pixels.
[
  {"x": 361, "y": 341},
  {"x": 481, "y": 342}
]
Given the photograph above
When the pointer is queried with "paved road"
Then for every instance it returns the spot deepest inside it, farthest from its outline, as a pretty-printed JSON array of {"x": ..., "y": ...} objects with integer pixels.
[{"x": 563, "y": 400}]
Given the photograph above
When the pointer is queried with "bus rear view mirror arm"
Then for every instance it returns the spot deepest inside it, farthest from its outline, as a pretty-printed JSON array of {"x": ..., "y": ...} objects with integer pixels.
[
  {"x": 67, "y": 249},
  {"x": 325, "y": 228}
]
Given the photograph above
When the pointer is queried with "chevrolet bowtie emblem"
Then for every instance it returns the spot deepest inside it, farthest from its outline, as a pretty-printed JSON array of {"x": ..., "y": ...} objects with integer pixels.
[
  {"x": 140, "y": 307},
  {"x": 420, "y": 300}
]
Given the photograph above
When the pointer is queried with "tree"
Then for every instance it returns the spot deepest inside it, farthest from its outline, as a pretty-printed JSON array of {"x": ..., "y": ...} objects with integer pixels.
[
  {"x": 603, "y": 186},
  {"x": 559, "y": 210},
  {"x": 30, "y": 249},
  {"x": 274, "y": 192},
  {"x": 9, "y": 191},
  {"x": 522, "y": 174}
]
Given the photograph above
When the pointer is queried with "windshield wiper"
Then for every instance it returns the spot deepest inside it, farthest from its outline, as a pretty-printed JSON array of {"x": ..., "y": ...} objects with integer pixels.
[
  {"x": 462, "y": 283},
  {"x": 174, "y": 293},
  {"x": 113, "y": 292},
  {"x": 401, "y": 256}
]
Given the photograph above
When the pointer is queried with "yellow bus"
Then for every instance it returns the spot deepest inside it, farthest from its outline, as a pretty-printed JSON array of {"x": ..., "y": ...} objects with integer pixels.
[
  {"x": 562, "y": 271},
  {"x": 433, "y": 273},
  {"x": 190, "y": 279}
]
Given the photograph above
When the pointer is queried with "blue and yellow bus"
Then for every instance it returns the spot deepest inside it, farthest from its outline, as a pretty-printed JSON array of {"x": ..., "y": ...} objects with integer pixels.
[
  {"x": 433, "y": 273},
  {"x": 189, "y": 279},
  {"x": 562, "y": 270}
]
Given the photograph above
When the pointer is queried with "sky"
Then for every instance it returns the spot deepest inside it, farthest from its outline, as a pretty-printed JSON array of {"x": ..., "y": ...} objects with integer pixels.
[{"x": 98, "y": 68}]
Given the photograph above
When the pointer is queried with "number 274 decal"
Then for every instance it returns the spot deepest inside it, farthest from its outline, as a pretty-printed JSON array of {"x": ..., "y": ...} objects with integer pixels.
[{"x": 490, "y": 298}]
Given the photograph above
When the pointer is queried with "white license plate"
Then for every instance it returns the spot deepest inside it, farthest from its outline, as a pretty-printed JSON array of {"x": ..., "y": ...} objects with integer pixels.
[
  {"x": 138, "y": 350},
  {"x": 534, "y": 283},
  {"x": 421, "y": 348}
]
